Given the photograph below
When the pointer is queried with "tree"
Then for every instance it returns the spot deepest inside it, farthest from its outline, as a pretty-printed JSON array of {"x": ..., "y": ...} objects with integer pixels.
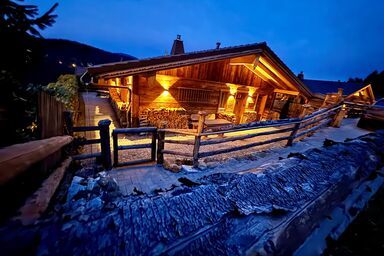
[
  {"x": 376, "y": 79},
  {"x": 355, "y": 80},
  {"x": 19, "y": 26}
]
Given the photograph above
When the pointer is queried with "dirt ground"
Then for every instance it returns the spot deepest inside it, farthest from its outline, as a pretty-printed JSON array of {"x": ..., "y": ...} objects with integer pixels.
[{"x": 365, "y": 236}]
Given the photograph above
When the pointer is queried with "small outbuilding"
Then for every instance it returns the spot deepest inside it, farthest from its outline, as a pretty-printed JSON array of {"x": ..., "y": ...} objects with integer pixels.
[{"x": 352, "y": 92}]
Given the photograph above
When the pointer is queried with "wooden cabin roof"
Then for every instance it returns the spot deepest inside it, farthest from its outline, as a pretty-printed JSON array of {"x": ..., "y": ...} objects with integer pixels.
[
  {"x": 325, "y": 87},
  {"x": 133, "y": 67}
]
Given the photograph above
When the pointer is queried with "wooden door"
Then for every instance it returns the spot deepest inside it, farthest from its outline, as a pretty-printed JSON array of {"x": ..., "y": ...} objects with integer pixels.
[{"x": 241, "y": 100}]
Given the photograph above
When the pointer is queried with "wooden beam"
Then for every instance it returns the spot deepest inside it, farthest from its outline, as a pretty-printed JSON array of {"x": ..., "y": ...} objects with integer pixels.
[
  {"x": 38, "y": 203},
  {"x": 295, "y": 93},
  {"x": 252, "y": 59},
  {"x": 17, "y": 158},
  {"x": 283, "y": 83},
  {"x": 275, "y": 73},
  {"x": 135, "y": 105},
  {"x": 264, "y": 76}
]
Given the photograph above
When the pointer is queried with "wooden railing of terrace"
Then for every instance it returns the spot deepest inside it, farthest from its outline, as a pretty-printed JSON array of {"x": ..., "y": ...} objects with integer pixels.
[
  {"x": 16, "y": 159},
  {"x": 104, "y": 141},
  {"x": 117, "y": 147},
  {"x": 298, "y": 128}
]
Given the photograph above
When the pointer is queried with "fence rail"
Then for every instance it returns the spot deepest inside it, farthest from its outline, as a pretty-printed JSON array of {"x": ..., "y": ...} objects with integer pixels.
[
  {"x": 17, "y": 158},
  {"x": 117, "y": 148},
  {"x": 105, "y": 153},
  {"x": 296, "y": 127}
]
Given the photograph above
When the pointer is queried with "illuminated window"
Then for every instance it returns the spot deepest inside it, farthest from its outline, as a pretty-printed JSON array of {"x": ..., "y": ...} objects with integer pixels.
[
  {"x": 194, "y": 95},
  {"x": 223, "y": 99}
]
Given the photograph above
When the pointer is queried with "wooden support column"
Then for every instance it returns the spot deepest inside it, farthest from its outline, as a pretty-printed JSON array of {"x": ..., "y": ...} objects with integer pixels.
[
  {"x": 135, "y": 104},
  {"x": 263, "y": 101}
]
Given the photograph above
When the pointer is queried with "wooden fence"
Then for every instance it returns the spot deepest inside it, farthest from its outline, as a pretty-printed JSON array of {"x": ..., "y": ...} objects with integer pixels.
[
  {"x": 50, "y": 116},
  {"x": 298, "y": 127},
  {"x": 295, "y": 127},
  {"x": 117, "y": 148},
  {"x": 17, "y": 158},
  {"x": 105, "y": 154}
]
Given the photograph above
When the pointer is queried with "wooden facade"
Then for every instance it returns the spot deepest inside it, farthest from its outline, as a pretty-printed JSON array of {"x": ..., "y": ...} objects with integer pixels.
[
  {"x": 364, "y": 95},
  {"x": 241, "y": 83}
]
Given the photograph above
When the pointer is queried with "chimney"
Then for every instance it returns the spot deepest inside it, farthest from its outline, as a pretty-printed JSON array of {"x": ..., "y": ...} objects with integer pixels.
[
  {"x": 301, "y": 75},
  {"x": 178, "y": 46},
  {"x": 218, "y": 45}
]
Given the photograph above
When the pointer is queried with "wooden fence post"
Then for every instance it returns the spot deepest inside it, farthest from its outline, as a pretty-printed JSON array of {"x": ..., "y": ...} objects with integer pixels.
[
  {"x": 115, "y": 149},
  {"x": 105, "y": 143},
  {"x": 160, "y": 147},
  {"x": 293, "y": 134},
  {"x": 339, "y": 116},
  {"x": 153, "y": 147},
  {"x": 200, "y": 129},
  {"x": 196, "y": 149},
  {"x": 200, "y": 125},
  {"x": 305, "y": 110}
]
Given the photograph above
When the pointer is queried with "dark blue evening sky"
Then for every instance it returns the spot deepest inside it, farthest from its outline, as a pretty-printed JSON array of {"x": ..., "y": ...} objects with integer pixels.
[{"x": 327, "y": 39}]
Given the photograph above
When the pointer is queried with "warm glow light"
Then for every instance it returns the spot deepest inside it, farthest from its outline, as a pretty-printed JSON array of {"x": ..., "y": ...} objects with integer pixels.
[
  {"x": 277, "y": 73},
  {"x": 230, "y": 103},
  {"x": 251, "y": 91},
  {"x": 73, "y": 65},
  {"x": 249, "y": 99},
  {"x": 265, "y": 74},
  {"x": 166, "y": 81},
  {"x": 165, "y": 93},
  {"x": 232, "y": 88}
]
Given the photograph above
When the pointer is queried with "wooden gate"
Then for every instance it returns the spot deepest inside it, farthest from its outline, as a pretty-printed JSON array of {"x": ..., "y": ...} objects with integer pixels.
[{"x": 117, "y": 148}]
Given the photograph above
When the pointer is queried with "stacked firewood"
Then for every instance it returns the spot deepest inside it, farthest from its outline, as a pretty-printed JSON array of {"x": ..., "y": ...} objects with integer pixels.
[
  {"x": 231, "y": 117},
  {"x": 173, "y": 118},
  {"x": 118, "y": 106},
  {"x": 250, "y": 116}
]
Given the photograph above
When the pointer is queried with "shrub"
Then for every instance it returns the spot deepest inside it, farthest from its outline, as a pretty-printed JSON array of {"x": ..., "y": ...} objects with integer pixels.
[{"x": 65, "y": 90}]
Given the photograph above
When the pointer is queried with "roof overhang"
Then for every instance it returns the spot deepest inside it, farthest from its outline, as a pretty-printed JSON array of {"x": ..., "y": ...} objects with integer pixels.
[
  {"x": 264, "y": 63},
  {"x": 117, "y": 69}
]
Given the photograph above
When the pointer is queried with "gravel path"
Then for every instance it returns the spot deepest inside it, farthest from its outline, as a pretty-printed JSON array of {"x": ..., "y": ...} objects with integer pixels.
[{"x": 137, "y": 154}]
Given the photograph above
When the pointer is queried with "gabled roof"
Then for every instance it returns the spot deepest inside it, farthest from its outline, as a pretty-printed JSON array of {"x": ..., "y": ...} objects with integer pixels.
[
  {"x": 133, "y": 67},
  {"x": 172, "y": 61},
  {"x": 325, "y": 87}
]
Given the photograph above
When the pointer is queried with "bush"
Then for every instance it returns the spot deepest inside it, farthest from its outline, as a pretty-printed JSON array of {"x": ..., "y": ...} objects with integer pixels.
[{"x": 65, "y": 90}]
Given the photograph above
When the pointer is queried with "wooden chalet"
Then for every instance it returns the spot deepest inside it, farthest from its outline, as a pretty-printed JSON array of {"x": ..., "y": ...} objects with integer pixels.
[
  {"x": 328, "y": 91},
  {"x": 241, "y": 84}
]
